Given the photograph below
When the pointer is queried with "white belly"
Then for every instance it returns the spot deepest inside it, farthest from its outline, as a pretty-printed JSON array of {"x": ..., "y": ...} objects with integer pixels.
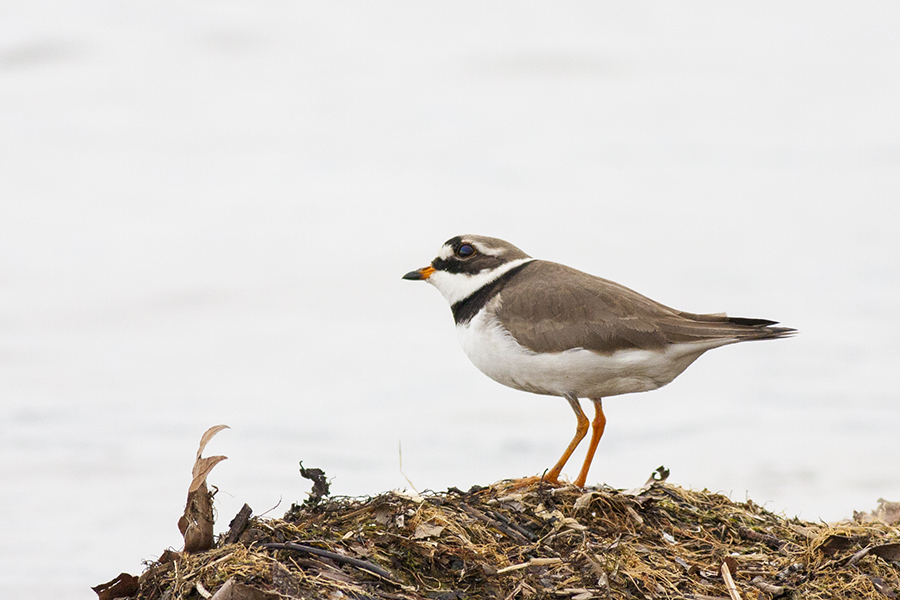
[{"x": 578, "y": 372}]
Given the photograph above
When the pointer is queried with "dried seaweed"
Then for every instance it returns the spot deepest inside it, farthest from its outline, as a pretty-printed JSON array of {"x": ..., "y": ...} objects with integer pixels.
[{"x": 510, "y": 541}]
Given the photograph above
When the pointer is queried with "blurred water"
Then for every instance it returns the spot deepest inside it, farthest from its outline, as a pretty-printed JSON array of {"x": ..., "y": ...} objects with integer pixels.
[{"x": 206, "y": 208}]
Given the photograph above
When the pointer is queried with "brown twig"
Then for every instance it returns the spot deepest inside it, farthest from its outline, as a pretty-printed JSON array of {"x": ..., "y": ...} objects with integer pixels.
[
  {"x": 769, "y": 540},
  {"x": 483, "y": 517},
  {"x": 761, "y": 584},
  {"x": 356, "y": 562},
  {"x": 729, "y": 581},
  {"x": 239, "y": 524},
  {"x": 531, "y": 537}
]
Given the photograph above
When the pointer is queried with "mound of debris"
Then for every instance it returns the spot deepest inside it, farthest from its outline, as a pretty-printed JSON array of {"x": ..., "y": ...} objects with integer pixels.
[{"x": 514, "y": 540}]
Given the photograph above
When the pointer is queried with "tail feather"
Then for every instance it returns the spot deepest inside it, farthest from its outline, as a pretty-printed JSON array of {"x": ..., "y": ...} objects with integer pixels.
[
  {"x": 764, "y": 328},
  {"x": 691, "y": 327},
  {"x": 751, "y": 322}
]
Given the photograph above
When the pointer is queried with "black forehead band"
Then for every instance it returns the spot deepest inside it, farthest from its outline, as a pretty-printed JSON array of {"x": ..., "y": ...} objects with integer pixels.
[{"x": 454, "y": 242}]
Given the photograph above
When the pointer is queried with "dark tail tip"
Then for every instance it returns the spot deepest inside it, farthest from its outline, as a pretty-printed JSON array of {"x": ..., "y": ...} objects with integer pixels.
[
  {"x": 764, "y": 326},
  {"x": 751, "y": 322}
]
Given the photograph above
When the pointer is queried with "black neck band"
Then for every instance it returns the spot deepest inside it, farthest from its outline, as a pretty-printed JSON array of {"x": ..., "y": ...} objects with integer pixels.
[{"x": 468, "y": 307}]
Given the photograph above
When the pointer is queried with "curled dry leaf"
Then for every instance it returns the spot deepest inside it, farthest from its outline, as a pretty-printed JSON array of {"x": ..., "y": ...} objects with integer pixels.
[
  {"x": 196, "y": 524},
  {"x": 658, "y": 476},
  {"x": 320, "y": 483},
  {"x": 121, "y": 587}
]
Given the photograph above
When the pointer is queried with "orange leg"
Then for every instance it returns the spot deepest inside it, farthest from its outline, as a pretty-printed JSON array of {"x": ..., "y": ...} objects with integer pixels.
[
  {"x": 553, "y": 476},
  {"x": 598, "y": 426}
]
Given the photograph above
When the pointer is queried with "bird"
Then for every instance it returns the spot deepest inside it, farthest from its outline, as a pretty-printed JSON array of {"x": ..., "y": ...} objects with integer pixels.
[{"x": 549, "y": 329}]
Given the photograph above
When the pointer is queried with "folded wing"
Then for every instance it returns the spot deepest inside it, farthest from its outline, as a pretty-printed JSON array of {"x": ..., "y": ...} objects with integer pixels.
[{"x": 557, "y": 308}]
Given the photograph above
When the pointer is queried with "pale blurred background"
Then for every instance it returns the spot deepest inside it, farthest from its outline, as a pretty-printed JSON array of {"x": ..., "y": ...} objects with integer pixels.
[{"x": 206, "y": 209}]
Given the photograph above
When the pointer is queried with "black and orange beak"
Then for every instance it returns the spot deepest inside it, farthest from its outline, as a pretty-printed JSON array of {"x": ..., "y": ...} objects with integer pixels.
[{"x": 420, "y": 274}]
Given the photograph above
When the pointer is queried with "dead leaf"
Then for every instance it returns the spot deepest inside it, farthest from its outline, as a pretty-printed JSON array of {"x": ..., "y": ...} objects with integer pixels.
[
  {"x": 284, "y": 582},
  {"x": 889, "y": 552},
  {"x": 584, "y": 501},
  {"x": 879, "y": 584},
  {"x": 426, "y": 531},
  {"x": 658, "y": 476},
  {"x": 886, "y": 512},
  {"x": 889, "y": 512},
  {"x": 573, "y": 524},
  {"x": 168, "y": 556},
  {"x": 232, "y": 590},
  {"x": 201, "y": 470},
  {"x": 196, "y": 524},
  {"x": 383, "y": 515},
  {"x": 208, "y": 435},
  {"x": 123, "y": 586},
  {"x": 320, "y": 484},
  {"x": 806, "y": 532},
  {"x": 836, "y": 543}
]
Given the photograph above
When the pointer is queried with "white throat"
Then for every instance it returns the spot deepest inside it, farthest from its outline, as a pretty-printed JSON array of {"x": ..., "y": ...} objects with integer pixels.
[{"x": 458, "y": 286}]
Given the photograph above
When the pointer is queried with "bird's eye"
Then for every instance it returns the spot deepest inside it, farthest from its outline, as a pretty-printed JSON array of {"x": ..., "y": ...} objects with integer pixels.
[{"x": 465, "y": 251}]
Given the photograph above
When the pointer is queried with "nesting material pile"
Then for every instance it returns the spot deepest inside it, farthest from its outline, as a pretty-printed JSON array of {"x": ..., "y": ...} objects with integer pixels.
[{"x": 503, "y": 541}]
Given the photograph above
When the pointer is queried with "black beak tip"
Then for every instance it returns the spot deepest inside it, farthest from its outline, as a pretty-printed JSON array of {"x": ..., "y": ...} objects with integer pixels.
[{"x": 413, "y": 276}]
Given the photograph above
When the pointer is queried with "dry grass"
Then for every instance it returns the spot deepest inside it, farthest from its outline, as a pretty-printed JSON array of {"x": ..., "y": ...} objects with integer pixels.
[{"x": 505, "y": 542}]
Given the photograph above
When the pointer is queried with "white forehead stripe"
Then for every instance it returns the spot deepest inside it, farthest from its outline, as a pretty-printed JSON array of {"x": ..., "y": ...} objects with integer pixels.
[
  {"x": 458, "y": 286},
  {"x": 445, "y": 252}
]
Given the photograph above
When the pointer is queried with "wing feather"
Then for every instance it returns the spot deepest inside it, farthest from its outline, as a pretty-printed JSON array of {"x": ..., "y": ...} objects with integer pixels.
[{"x": 557, "y": 308}]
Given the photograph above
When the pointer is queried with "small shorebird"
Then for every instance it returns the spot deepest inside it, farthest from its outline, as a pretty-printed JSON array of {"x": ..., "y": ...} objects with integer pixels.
[{"x": 546, "y": 328}]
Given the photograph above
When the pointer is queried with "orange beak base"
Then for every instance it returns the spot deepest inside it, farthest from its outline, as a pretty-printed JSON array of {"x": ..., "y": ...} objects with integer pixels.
[{"x": 420, "y": 274}]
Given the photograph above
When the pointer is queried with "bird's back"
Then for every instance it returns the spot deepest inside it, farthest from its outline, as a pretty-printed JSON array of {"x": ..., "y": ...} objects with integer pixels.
[{"x": 556, "y": 308}]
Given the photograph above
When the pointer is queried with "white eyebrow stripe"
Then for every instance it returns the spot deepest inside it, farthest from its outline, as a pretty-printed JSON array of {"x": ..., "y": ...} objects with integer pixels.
[{"x": 490, "y": 251}]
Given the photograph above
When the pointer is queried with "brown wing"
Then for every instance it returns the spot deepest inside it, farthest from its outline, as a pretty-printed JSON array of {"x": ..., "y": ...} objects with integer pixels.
[{"x": 577, "y": 310}]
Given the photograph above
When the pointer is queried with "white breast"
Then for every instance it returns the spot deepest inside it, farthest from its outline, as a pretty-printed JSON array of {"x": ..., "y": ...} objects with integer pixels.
[{"x": 579, "y": 372}]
